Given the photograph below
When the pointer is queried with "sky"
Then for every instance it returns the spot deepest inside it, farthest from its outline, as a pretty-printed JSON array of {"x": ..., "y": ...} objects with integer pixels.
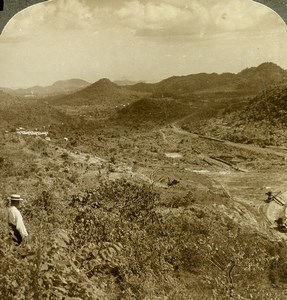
[{"x": 139, "y": 40}]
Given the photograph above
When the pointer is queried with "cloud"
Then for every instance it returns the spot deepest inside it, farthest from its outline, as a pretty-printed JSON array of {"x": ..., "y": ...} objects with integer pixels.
[
  {"x": 158, "y": 18},
  {"x": 147, "y": 18},
  {"x": 195, "y": 18},
  {"x": 149, "y": 14},
  {"x": 56, "y": 15},
  {"x": 241, "y": 15}
]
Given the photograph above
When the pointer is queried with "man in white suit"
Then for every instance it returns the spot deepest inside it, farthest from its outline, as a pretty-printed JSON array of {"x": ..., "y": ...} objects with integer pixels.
[{"x": 15, "y": 220}]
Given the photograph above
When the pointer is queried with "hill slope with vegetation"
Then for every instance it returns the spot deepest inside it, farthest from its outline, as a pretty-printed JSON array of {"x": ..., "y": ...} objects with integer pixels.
[
  {"x": 261, "y": 120},
  {"x": 102, "y": 93},
  {"x": 153, "y": 111}
]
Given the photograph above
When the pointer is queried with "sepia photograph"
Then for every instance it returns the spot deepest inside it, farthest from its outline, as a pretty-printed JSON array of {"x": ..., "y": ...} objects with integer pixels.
[{"x": 143, "y": 150}]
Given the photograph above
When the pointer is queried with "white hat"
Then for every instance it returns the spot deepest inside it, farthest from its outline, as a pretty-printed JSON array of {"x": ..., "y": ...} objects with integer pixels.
[{"x": 15, "y": 197}]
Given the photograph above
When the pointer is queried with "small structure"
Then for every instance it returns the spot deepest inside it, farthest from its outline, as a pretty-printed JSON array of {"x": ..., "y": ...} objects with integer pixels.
[
  {"x": 173, "y": 155},
  {"x": 277, "y": 209},
  {"x": 31, "y": 132}
]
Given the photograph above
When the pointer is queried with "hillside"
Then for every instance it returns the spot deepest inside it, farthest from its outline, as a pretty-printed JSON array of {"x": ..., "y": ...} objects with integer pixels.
[
  {"x": 29, "y": 113},
  {"x": 262, "y": 120},
  {"x": 248, "y": 82},
  {"x": 7, "y": 99},
  {"x": 8, "y": 105},
  {"x": 269, "y": 106},
  {"x": 153, "y": 111}
]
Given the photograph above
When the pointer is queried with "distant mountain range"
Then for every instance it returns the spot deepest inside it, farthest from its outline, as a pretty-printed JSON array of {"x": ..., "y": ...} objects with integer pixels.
[
  {"x": 59, "y": 87},
  {"x": 249, "y": 81}
]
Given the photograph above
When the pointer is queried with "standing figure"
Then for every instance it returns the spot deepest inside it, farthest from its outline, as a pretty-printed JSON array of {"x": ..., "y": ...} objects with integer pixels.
[{"x": 17, "y": 228}]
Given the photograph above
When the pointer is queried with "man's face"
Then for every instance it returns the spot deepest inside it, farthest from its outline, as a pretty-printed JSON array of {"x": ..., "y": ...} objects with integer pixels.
[{"x": 16, "y": 203}]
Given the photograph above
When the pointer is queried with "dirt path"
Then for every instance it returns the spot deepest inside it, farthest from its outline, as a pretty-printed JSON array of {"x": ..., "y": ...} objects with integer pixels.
[
  {"x": 163, "y": 135},
  {"x": 273, "y": 151}
]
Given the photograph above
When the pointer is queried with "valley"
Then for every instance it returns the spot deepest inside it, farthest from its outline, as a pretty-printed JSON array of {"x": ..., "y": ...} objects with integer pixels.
[{"x": 136, "y": 192}]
